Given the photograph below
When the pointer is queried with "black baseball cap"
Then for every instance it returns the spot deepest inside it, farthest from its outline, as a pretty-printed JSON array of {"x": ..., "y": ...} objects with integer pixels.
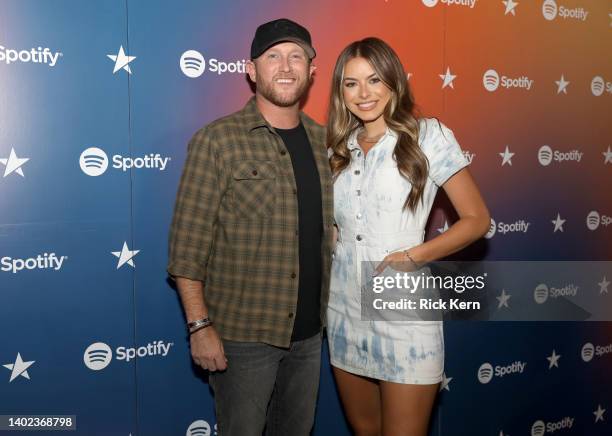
[{"x": 281, "y": 30}]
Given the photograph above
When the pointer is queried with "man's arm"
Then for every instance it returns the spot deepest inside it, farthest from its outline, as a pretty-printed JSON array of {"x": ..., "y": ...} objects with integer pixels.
[
  {"x": 192, "y": 298},
  {"x": 191, "y": 238}
]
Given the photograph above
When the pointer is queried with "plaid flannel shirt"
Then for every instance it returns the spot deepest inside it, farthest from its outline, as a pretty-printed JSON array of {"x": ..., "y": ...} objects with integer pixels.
[{"x": 235, "y": 225}]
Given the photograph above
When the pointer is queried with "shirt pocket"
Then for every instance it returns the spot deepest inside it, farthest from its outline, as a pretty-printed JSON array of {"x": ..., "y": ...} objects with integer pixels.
[
  {"x": 254, "y": 188},
  {"x": 388, "y": 190}
]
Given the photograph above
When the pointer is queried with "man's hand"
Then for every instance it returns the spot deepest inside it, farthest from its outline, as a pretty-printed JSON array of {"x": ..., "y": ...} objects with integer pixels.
[
  {"x": 207, "y": 349},
  {"x": 206, "y": 346}
]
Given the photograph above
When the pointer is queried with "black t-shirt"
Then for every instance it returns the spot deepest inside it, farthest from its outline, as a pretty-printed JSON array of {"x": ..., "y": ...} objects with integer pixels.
[{"x": 310, "y": 227}]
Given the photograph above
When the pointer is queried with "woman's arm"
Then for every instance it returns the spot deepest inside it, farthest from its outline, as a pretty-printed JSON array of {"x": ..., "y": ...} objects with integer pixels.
[{"x": 474, "y": 220}]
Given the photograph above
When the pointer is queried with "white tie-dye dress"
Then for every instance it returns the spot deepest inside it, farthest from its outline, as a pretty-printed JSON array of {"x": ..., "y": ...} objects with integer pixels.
[{"x": 368, "y": 208}]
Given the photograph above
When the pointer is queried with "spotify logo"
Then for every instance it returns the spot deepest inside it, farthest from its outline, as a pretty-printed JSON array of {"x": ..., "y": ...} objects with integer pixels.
[
  {"x": 93, "y": 161},
  {"x": 192, "y": 64}
]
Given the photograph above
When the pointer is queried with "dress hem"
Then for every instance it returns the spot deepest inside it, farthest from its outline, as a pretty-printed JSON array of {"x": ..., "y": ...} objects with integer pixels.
[{"x": 409, "y": 381}]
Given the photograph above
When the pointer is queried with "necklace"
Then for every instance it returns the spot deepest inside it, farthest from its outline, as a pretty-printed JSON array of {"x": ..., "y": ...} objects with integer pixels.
[{"x": 373, "y": 139}]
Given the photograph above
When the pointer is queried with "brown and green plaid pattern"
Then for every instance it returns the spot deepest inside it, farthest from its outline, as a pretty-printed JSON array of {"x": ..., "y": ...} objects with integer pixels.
[{"x": 236, "y": 221}]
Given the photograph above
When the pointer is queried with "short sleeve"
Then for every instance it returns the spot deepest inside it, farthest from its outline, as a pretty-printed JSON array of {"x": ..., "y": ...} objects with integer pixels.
[{"x": 442, "y": 150}]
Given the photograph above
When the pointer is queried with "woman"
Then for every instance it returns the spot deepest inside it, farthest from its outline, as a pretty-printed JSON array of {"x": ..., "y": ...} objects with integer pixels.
[{"x": 387, "y": 167}]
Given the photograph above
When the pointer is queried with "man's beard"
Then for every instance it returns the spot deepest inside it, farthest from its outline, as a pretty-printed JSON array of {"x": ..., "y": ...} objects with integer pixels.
[{"x": 283, "y": 100}]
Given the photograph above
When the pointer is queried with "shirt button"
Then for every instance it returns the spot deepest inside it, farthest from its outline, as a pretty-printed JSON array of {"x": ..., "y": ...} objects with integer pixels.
[
  {"x": 290, "y": 315},
  {"x": 358, "y": 192},
  {"x": 359, "y": 153},
  {"x": 283, "y": 152},
  {"x": 357, "y": 172},
  {"x": 296, "y": 233},
  {"x": 358, "y": 216},
  {"x": 359, "y": 237},
  {"x": 293, "y": 275},
  {"x": 254, "y": 172}
]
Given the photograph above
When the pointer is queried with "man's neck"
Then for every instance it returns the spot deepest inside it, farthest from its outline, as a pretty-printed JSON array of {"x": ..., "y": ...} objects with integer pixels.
[{"x": 278, "y": 116}]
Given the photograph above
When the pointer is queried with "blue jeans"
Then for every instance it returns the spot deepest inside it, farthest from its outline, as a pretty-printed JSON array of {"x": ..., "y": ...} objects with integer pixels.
[{"x": 267, "y": 387}]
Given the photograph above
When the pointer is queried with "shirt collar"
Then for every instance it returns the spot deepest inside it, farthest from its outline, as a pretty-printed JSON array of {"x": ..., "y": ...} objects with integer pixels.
[{"x": 253, "y": 119}]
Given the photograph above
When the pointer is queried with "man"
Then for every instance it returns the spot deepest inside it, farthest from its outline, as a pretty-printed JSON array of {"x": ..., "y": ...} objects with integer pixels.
[{"x": 250, "y": 245}]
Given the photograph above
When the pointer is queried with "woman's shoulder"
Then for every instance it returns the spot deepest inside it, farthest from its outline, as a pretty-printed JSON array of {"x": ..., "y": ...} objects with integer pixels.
[
  {"x": 441, "y": 149},
  {"x": 431, "y": 129},
  {"x": 435, "y": 138}
]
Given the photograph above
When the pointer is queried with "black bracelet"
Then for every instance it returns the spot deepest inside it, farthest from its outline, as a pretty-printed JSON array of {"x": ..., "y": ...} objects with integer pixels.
[
  {"x": 200, "y": 327},
  {"x": 194, "y": 326}
]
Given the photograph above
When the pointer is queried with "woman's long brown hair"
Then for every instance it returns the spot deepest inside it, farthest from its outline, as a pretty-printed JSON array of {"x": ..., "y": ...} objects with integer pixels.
[{"x": 398, "y": 115}]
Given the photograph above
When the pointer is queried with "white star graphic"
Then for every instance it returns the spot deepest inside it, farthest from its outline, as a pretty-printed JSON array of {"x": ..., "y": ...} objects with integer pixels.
[
  {"x": 125, "y": 256},
  {"x": 603, "y": 285},
  {"x": 447, "y": 78},
  {"x": 558, "y": 222},
  {"x": 445, "y": 382},
  {"x": 607, "y": 155},
  {"x": 562, "y": 85},
  {"x": 121, "y": 61},
  {"x": 503, "y": 299},
  {"x": 19, "y": 368},
  {"x": 553, "y": 359},
  {"x": 506, "y": 157},
  {"x": 510, "y": 5},
  {"x": 599, "y": 413},
  {"x": 13, "y": 164},
  {"x": 444, "y": 227}
]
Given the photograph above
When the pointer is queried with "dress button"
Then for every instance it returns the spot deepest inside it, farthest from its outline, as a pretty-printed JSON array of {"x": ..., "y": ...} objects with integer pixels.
[
  {"x": 283, "y": 152},
  {"x": 254, "y": 172},
  {"x": 359, "y": 237},
  {"x": 357, "y": 172},
  {"x": 290, "y": 315},
  {"x": 297, "y": 233},
  {"x": 293, "y": 275}
]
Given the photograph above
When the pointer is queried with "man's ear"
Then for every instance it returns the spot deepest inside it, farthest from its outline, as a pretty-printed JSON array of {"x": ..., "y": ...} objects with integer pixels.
[
  {"x": 251, "y": 70},
  {"x": 312, "y": 70}
]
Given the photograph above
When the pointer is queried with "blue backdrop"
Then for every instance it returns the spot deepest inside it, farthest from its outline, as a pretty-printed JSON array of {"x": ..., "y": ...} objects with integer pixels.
[{"x": 89, "y": 324}]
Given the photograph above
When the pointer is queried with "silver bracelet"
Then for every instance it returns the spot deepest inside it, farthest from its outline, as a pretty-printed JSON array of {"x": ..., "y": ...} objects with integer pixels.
[{"x": 416, "y": 265}]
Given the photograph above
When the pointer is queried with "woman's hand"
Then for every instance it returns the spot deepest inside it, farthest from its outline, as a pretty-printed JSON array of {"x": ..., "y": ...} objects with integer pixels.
[{"x": 399, "y": 261}]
